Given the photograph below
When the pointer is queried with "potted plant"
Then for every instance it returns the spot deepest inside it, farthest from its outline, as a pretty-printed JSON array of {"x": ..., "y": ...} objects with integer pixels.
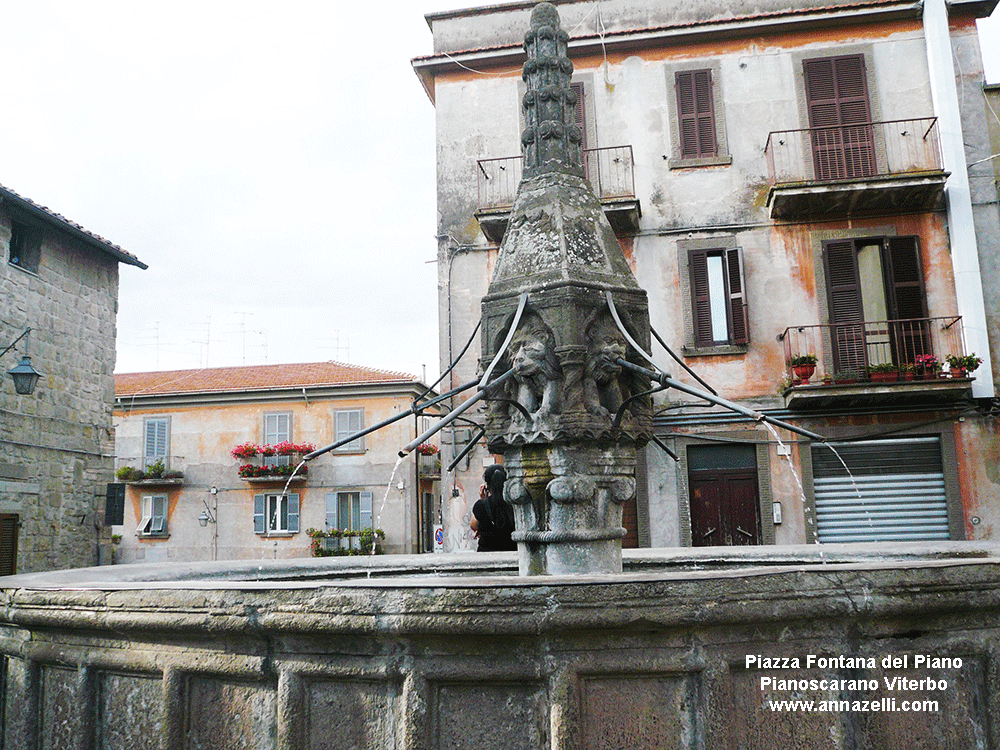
[
  {"x": 962, "y": 367},
  {"x": 926, "y": 366},
  {"x": 803, "y": 366},
  {"x": 846, "y": 377},
  {"x": 883, "y": 372},
  {"x": 245, "y": 451},
  {"x": 907, "y": 372}
]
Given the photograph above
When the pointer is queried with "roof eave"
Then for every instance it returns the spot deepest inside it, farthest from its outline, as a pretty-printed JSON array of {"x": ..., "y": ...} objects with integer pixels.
[{"x": 66, "y": 227}]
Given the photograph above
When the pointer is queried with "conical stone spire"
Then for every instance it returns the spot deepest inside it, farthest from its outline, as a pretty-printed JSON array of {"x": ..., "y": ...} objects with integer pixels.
[
  {"x": 570, "y": 418},
  {"x": 551, "y": 139}
]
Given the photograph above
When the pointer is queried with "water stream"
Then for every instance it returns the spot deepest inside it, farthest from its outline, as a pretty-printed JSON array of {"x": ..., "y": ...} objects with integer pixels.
[{"x": 388, "y": 488}]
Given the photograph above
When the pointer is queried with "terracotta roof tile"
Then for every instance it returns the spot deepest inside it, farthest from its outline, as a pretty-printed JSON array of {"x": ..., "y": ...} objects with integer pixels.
[
  {"x": 72, "y": 227},
  {"x": 224, "y": 379}
]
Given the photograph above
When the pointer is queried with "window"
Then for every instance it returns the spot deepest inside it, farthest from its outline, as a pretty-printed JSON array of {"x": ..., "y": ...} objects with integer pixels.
[
  {"x": 276, "y": 514},
  {"x": 839, "y": 117},
  {"x": 696, "y": 114},
  {"x": 873, "y": 286},
  {"x": 719, "y": 309},
  {"x": 156, "y": 441},
  {"x": 349, "y": 422},
  {"x": 25, "y": 247},
  {"x": 9, "y": 525},
  {"x": 154, "y": 516},
  {"x": 277, "y": 429},
  {"x": 696, "y": 111},
  {"x": 349, "y": 511}
]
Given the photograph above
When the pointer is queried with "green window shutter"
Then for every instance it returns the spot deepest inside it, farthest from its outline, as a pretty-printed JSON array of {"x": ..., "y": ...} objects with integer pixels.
[
  {"x": 366, "y": 511},
  {"x": 258, "y": 514},
  {"x": 293, "y": 513}
]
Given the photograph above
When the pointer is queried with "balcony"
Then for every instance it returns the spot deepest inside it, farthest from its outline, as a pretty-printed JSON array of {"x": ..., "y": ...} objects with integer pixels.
[
  {"x": 875, "y": 362},
  {"x": 609, "y": 170},
  {"x": 870, "y": 168}
]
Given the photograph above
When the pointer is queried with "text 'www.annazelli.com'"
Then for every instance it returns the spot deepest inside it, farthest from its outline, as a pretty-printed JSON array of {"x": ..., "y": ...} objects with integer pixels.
[{"x": 885, "y": 705}]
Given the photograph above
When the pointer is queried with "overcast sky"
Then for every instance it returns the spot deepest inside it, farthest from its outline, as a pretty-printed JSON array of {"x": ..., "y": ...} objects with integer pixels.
[{"x": 273, "y": 164}]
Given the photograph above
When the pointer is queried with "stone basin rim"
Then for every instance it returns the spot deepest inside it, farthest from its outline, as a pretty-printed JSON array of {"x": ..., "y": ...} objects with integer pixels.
[{"x": 499, "y": 570}]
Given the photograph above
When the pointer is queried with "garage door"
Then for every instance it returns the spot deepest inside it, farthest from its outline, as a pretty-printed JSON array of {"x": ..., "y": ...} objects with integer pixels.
[{"x": 880, "y": 491}]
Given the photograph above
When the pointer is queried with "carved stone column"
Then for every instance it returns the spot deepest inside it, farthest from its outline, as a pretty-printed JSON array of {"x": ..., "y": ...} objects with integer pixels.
[{"x": 570, "y": 419}]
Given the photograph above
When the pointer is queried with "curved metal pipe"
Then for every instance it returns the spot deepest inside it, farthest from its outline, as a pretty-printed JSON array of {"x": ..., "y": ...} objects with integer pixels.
[
  {"x": 455, "y": 413},
  {"x": 522, "y": 301}
]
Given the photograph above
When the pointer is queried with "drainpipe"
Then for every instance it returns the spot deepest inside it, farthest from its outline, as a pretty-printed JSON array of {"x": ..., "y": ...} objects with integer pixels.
[{"x": 961, "y": 223}]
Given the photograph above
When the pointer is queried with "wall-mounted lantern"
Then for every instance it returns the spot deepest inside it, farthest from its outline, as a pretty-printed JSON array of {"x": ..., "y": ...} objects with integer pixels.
[{"x": 25, "y": 376}]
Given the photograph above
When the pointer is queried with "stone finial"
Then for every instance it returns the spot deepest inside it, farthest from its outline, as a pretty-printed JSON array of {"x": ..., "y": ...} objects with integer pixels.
[{"x": 551, "y": 139}]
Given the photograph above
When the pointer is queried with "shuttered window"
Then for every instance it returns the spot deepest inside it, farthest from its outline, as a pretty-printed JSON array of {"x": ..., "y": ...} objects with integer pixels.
[
  {"x": 156, "y": 440},
  {"x": 696, "y": 114},
  {"x": 840, "y": 117},
  {"x": 114, "y": 504},
  {"x": 349, "y": 422},
  {"x": 890, "y": 490},
  {"x": 902, "y": 297},
  {"x": 349, "y": 511},
  {"x": 719, "y": 308},
  {"x": 277, "y": 429},
  {"x": 9, "y": 525},
  {"x": 580, "y": 112},
  {"x": 154, "y": 516},
  {"x": 276, "y": 514}
]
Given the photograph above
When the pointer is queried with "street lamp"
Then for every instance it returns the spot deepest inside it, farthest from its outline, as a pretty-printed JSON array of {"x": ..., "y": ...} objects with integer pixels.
[
  {"x": 206, "y": 516},
  {"x": 25, "y": 376}
]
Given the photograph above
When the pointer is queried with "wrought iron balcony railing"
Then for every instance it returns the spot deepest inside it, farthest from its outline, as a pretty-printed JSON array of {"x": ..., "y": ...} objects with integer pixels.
[
  {"x": 855, "y": 351},
  {"x": 610, "y": 171},
  {"x": 851, "y": 152}
]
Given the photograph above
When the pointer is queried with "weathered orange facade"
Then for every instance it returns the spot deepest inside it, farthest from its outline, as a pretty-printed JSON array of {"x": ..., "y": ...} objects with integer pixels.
[
  {"x": 192, "y": 420},
  {"x": 816, "y": 136}
]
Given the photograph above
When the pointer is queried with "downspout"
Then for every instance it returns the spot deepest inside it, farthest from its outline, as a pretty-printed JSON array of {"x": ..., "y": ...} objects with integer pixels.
[{"x": 961, "y": 223}]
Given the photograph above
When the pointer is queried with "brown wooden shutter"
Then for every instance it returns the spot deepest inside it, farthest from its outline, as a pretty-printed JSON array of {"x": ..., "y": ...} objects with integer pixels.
[
  {"x": 837, "y": 100},
  {"x": 905, "y": 279},
  {"x": 846, "y": 311},
  {"x": 580, "y": 112},
  {"x": 696, "y": 113},
  {"x": 739, "y": 324},
  {"x": 701, "y": 299},
  {"x": 9, "y": 525}
]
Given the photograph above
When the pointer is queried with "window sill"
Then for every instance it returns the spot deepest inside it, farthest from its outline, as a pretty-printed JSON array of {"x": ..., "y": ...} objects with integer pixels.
[
  {"x": 152, "y": 537},
  {"x": 29, "y": 271},
  {"x": 278, "y": 535},
  {"x": 710, "y": 161},
  {"x": 713, "y": 351}
]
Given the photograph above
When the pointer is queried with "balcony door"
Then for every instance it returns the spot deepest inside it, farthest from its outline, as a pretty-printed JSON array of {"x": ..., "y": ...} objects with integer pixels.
[
  {"x": 876, "y": 301},
  {"x": 839, "y": 118}
]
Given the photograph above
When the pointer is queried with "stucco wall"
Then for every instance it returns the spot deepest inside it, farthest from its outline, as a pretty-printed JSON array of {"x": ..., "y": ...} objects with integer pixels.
[
  {"x": 201, "y": 438},
  {"x": 55, "y": 445}
]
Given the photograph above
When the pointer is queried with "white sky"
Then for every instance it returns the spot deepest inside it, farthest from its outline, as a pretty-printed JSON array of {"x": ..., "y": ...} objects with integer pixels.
[{"x": 273, "y": 164}]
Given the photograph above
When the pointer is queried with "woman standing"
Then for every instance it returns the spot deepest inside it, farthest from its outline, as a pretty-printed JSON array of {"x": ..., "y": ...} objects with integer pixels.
[{"x": 492, "y": 516}]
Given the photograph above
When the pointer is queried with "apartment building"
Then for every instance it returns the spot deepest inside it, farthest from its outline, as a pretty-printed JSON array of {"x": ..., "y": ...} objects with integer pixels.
[{"x": 803, "y": 184}]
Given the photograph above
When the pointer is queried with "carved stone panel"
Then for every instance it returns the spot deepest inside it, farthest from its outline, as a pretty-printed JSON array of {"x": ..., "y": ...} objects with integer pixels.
[
  {"x": 488, "y": 715},
  {"x": 227, "y": 715},
  {"x": 61, "y": 700},
  {"x": 640, "y": 712},
  {"x": 131, "y": 711},
  {"x": 350, "y": 713}
]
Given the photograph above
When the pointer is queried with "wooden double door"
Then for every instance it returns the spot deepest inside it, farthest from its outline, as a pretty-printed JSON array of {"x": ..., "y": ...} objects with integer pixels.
[{"x": 724, "y": 498}]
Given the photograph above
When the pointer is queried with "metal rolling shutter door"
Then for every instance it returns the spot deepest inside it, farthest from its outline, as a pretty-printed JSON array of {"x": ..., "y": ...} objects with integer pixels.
[{"x": 897, "y": 492}]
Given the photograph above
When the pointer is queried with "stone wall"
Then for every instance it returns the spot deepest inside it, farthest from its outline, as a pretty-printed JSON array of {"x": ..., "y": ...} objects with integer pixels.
[
  {"x": 57, "y": 444},
  {"x": 373, "y": 653}
]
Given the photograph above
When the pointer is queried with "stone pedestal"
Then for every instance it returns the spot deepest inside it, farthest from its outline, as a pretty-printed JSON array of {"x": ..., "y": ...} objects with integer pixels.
[{"x": 568, "y": 507}]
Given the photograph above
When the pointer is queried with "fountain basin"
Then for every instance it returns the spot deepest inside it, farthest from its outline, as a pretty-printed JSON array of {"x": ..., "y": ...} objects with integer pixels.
[{"x": 457, "y": 651}]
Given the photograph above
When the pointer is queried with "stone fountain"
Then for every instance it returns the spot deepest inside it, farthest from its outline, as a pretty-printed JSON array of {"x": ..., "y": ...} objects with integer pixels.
[
  {"x": 654, "y": 650},
  {"x": 571, "y": 418}
]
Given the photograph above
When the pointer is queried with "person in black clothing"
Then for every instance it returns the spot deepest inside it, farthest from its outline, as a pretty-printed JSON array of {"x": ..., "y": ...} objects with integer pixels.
[{"x": 492, "y": 516}]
